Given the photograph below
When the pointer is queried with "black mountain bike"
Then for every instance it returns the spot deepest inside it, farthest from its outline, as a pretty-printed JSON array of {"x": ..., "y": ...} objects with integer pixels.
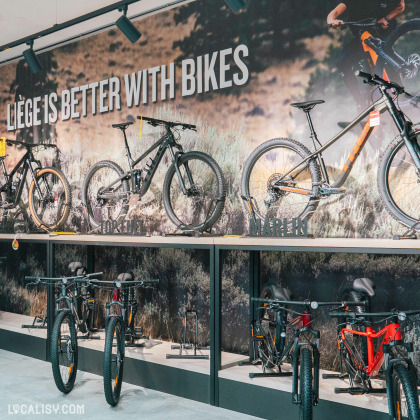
[
  {"x": 119, "y": 329},
  {"x": 193, "y": 191},
  {"x": 283, "y": 333},
  {"x": 49, "y": 192},
  {"x": 63, "y": 344},
  {"x": 283, "y": 179}
]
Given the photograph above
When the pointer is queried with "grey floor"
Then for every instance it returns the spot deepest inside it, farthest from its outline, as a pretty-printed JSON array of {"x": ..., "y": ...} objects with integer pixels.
[{"x": 28, "y": 391}]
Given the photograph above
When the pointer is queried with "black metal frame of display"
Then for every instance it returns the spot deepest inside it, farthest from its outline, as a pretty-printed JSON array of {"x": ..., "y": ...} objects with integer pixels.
[{"x": 217, "y": 389}]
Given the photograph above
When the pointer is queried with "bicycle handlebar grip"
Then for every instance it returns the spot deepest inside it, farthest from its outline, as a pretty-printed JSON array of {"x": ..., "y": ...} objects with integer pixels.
[
  {"x": 364, "y": 75},
  {"x": 151, "y": 281},
  {"x": 31, "y": 278},
  {"x": 95, "y": 274}
]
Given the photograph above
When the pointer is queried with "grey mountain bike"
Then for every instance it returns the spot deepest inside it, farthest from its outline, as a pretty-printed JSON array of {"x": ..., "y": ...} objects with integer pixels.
[{"x": 283, "y": 179}]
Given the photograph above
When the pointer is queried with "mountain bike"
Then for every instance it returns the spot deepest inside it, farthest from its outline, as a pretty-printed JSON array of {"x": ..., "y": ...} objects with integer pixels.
[
  {"x": 119, "y": 328},
  {"x": 284, "y": 334},
  {"x": 63, "y": 342},
  {"x": 283, "y": 179},
  {"x": 194, "y": 189},
  {"x": 49, "y": 193},
  {"x": 396, "y": 58},
  {"x": 391, "y": 358}
]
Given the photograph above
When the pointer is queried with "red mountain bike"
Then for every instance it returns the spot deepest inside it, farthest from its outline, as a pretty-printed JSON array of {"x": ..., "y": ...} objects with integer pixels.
[{"x": 391, "y": 358}]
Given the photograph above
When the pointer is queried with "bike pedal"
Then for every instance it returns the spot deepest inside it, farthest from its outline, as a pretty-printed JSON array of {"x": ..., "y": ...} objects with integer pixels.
[{"x": 134, "y": 199}]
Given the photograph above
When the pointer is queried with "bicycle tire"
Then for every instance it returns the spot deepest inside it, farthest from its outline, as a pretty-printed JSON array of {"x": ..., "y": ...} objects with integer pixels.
[
  {"x": 113, "y": 377},
  {"x": 397, "y": 161},
  {"x": 271, "y": 291},
  {"x": 89, "y": 189},
  {"x": 350, "y": 295},
  {"x": 305, "y": 384},
  {"x": 267, "y": 177},
  {"x": 58, "y": 356},
  {"x": 61, "y": 201},
  {"x": 404, "y": 383},
  {"x": 395, "y": 41},
  {"x": 184, "y": 213}
]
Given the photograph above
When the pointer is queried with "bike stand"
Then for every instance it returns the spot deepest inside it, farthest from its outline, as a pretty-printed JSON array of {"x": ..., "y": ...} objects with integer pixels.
[
  {"x": 335, "y": 375},
  {"x": 137, "y": 336},
  {"x": 268, "y": 374},
  {"x": 409, "y": 234},
  {"x": 38, "y": 319},
  {"x": 89, "y": 336},
  {"x": 359, "y": 391},
  {"x": 184, "y": 346}
]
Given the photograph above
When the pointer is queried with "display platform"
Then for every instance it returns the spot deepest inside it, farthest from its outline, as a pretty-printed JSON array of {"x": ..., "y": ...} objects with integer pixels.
[{"x": 147, "y": 366}]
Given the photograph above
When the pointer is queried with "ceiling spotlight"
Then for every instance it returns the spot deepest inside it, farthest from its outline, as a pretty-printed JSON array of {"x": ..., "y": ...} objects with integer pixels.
[
  {"x": 126, "y": 27},
  {"x": 236, "y": 5},
  {"x": 31, "y": 59}
]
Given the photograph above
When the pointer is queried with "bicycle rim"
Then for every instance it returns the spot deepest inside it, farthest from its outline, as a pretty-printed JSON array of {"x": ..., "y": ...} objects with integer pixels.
[
  {"x": 269, "y": 167},
  {"x": 103, "y": 209},
  {"x": 402, "y": 184},
  {"x": 50, "y": 205},
  {"x": 203, "y": 202}
]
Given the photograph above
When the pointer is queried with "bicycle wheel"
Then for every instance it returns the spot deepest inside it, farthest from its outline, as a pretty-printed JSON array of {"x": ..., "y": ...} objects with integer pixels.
[
  {"x": 305, "y": 384},
  {"x": 50, "y": 204},
  {"x": 398, "y": 181},
  {"x": 404, "y": 398},
  {"x": 64, "y": 353},
  {"x": 262, "y": 171},
  {"x": 202, "y": 204},
  {"x": 265, "y": 346},
  {"x": 97, "y": 180},
  {"x": 358, "y": 343},
  {"x": 114, "y": 359},
  {"x": 403, "y": 43}
]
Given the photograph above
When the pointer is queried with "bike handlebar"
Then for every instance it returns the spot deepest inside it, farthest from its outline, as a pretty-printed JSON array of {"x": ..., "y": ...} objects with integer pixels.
[
  {"x": 312, "y": 304},
  {"x": 155, "y": 122},
  {"x": 28, "y": 145},
  {"x": 74, "y": 278},
  {"x": 122, "y": 283},
  {"x": 360, "y": 24},
  {"x": 400, "y": 314},
  {"x": 375, "y": 80}
]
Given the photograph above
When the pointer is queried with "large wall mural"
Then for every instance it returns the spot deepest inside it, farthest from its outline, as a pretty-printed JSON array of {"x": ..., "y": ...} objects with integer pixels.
[{"x": 234, "y": 76}]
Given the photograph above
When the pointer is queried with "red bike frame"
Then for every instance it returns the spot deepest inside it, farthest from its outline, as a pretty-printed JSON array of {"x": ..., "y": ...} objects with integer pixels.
[{"x": 391, "y": 332}]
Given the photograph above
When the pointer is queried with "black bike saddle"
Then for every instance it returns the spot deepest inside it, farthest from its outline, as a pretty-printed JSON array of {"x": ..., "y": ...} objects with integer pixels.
[
  {"x": 126, "y": 277},
  {"x": 122, "y": 126},
  {"x": 308, "y": 105},
  {"x": 77, "y": 268},
  {"x": 364, "y": 285}
]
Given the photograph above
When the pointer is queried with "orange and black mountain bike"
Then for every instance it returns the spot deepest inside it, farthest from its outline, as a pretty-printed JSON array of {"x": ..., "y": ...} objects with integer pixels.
[
  {"x": 283, "y": 179},
  {"x": 396, "y": 57}
]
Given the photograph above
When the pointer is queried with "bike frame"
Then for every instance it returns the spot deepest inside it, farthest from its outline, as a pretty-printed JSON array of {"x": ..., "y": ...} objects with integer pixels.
[
  {"x": 385, "y": 103},
  {"x": 167, "y": 141},
  {"x": 390, "y": 333},
  {"x": 24, "y": 162}
]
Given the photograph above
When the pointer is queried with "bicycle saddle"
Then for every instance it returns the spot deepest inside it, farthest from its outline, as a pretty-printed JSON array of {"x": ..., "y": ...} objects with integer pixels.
[
  {"x": 126, "y": 277},
  {"x": 77, "y": 268},
  {"x": 122, "y": 126},
  {"x": 308, "y": 105},
  {"x": 364, "y": 285}
]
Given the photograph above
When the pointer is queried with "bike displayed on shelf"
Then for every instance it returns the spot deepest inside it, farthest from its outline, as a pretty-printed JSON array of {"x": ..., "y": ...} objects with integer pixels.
[
  {"x": 392, "y": 358},
  {"x": 283, "y": 334},
  {"x": 49, "y": 194},
  {"x": 194, "y": 189},
  {"x": 71, "y": 313},
  {"x": 283, "y": 179},
  {"x": 397, "y": 57},
  {"x": 120, "y": 330}
]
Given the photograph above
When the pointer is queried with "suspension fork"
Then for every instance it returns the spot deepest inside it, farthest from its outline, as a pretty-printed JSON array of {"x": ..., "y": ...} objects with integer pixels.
[
  {"x": 28, "y": 163},
  {"x": 175, "y": 159}
]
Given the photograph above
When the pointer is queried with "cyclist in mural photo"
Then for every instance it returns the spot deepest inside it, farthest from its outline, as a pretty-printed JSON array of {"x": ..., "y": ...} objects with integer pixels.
[{"x": 386, "y": 13}]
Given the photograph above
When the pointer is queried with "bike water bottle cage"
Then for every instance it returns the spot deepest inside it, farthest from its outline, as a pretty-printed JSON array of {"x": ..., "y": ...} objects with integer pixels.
[
  {"x": 364, "y": 285},
  {"x": 125, "y": 277},
  {"x": 308, "y": 105},
  {"x": 122, "y": 126},
  {"x": 77, "y": 268}
]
